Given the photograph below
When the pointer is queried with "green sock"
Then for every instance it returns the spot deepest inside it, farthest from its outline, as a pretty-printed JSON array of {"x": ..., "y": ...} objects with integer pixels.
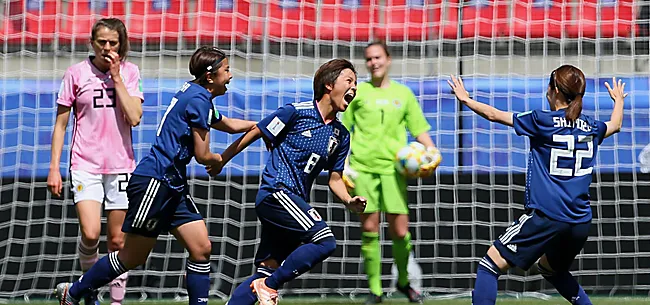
[
  {"x": 401, "y": 251},
  {"x": 372, "y": 260}
]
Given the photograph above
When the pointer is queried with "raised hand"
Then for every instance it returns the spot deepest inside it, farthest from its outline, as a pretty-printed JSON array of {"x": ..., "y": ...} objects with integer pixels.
[
  {"x": 458, "y": 88},
  {"x": 617, "y": 93},
  {"x": 114, "y": 60}
]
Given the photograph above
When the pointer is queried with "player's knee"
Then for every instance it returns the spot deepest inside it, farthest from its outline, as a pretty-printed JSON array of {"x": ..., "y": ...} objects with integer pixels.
[
  {"x": 545, "y": 271},
  {"x": 89, "y": 236},
  {"x": 270, "y": 263},
  {"x": 370, "y": 224},
  {"x": 201, "y": 251},
  {"x": 399, "y": 234},
  {"x": 115, "y": 243}
]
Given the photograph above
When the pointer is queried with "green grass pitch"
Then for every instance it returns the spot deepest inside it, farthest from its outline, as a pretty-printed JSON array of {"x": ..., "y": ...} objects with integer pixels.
[{"x": 464, "y": 301}]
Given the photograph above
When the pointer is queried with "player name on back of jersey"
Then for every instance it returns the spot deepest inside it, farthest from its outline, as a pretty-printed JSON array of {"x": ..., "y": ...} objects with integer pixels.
[{"x": 579, "y": 123}]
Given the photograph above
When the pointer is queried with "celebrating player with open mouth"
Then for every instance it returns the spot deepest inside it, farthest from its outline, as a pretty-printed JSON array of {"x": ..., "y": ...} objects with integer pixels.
[
  {"x": 159, "y": 199},
  {"x": 105, "y": 92},
  {"x": 305, "y": 139},
  {"x": 564, "y": 144}
]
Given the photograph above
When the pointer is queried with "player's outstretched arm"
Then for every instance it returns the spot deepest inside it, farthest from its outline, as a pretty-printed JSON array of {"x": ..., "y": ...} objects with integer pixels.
[
  {"x": 131, "y": 105},
  {"x": 233, "y": 125},
  {"x": 617, "y": 94},
  {"x": 54, "y": 182},
  {"x": 202, "y": 151},
  {"x": 356, "y": 204},
  {"x": 484, "y": 110},
  {"x": 235, "y": 148}
]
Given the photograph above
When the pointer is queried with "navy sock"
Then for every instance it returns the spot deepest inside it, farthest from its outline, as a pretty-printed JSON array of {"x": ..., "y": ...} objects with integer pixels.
[
  {"x": 566, "y": 285},
  {"x": 198, "y": 281},
  {"x": 301, "y": 260},
  {"x": 101, "y": 273},
  {"x": 485, "y": 288},
  {"x": 243, "y": 294}
]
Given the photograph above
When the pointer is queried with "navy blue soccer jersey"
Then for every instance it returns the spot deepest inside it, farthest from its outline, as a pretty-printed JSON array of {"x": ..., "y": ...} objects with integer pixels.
[
  {"x": 303, "y": 146},
  {"x": 191, "y": 107},
  {"x": 560, "y": 163}
]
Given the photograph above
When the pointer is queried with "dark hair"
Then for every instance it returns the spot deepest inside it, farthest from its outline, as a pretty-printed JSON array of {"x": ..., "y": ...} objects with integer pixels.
[
  {"x": 380, "y": 43},
  {"x": 327, "y": 75},
  {"x": 205, "y": 59},
  {"x": 117, "y": 25},
  {"x": 570, "y": 81}
]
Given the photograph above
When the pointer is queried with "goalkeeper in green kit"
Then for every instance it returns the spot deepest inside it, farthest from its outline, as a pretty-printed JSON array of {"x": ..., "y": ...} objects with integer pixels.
[{"x": 378, "y": 119}]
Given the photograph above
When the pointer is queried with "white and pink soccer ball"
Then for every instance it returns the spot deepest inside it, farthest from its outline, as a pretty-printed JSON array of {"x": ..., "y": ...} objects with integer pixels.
[{"x": 410, "y": 158}]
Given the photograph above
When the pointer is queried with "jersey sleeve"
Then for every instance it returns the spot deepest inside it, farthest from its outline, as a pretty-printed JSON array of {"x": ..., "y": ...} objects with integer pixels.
[
  {"x": 602, "y": 129},
  {"x": 338, "y": 164},
  {"x": 134, "y": 83},
  {"x": 525, "y": 123},
  {"x": 279, "y": 121},
  {"x": 67, "y": 90},
  {"x": 415, "y": 121},
  {"x": 216, "y": 116},
  {"x": 199, "y": 113}
]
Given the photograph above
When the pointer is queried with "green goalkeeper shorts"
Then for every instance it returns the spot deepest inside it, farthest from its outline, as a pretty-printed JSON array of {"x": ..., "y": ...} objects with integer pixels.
[{"x": 385, "y": 193}]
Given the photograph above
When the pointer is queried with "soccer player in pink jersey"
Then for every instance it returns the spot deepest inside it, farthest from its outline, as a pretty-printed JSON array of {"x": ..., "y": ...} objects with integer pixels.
[{"x": 104, "y": 91}]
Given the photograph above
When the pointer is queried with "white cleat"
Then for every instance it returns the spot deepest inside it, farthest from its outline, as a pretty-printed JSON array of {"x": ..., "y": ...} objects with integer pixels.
[
  {"x": 63, "y": 296},
  {"x": 265, "y": 295}
]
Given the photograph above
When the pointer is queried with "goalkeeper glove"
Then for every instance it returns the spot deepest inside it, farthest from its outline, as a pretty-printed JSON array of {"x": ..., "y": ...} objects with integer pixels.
[
  {"x": 433, "y": 158},
  {"x": 349, "y": 175}
]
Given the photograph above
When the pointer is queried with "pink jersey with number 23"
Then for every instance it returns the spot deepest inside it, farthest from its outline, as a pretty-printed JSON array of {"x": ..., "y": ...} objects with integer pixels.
[{"x": 101, "y": 142}]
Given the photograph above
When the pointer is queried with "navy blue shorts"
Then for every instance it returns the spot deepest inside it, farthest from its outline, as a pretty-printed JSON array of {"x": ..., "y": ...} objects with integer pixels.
[
  {"x": 287, "y": 222},
  {"x": 534, "y": 235},
  {"x": 155, "y": 208}
]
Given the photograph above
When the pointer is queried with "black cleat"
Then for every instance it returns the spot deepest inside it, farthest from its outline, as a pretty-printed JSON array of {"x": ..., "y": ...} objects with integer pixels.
[
  {"x": 411, "y": 294},
  {"x": 374, "y": 299}
]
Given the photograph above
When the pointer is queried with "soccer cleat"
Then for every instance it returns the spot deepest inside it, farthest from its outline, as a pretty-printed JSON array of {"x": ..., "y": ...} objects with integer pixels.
[
  {"x": 63, "y": 296},
  {"x": 374, "y": 299},
  {"x": 265, "y": 295},
  {"x": 411, "y": 294}
]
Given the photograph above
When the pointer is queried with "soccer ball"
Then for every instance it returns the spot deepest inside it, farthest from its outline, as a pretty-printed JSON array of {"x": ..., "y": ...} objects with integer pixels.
[{"x": 410, "y": 158}]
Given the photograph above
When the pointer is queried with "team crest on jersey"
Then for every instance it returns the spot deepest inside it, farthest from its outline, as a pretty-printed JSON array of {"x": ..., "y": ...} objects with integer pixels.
[
  {"x": 337, "y": 132},
  {"x": 314, "y": 215},
  {"x": 397, "y": 103},
  {"x": 334, "y": 143}
]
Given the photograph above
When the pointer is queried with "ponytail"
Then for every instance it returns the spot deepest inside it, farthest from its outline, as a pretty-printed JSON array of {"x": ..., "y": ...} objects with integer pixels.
[{"x": 575, "y": 108}]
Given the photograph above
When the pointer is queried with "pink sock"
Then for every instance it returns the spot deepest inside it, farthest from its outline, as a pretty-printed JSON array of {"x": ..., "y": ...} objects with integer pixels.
[
  {"x": 88, "y": 255},
  {"x": 118, "y": 289}
]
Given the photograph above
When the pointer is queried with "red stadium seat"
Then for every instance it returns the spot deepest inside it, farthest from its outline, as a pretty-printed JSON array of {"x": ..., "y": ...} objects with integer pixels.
[
  {"x": 287, "y": 19},
  {"x": 156, "y": 20},
  {"x": 616, "y": 18},
  {"x": 347, "y": 20},
  {"x": 77, "y": 21},
  {"x": 539, "y": 18},
  {"x": 11, "y": 22},
  {"x": 217, "y": 20},
  {"x": 41, "y": 20},
  {"x": 8, "y": 32},
  {"x": 406, "y": 20},
  {"x": 420, "y": 19},
  {"x": 485, "y": 18}
]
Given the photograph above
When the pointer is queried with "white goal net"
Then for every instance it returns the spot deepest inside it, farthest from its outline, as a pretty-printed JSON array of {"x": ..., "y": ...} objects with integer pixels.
[{"x": 504, "y": 50}]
